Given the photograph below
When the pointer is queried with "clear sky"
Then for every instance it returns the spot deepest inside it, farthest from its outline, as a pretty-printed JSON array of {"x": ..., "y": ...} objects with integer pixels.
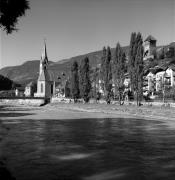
[{"x": 75, "y": 27}]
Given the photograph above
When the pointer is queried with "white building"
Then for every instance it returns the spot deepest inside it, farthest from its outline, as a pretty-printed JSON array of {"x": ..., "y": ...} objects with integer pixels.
[
  {"x": 46, "y": 82},
  {"x": 151, "y": 81},
  {"x": 159, "y": 80},
  {"x": 29, "y": 89},
  {"x": 165, "y": 77},
  {"x": 170, "y": 76}
]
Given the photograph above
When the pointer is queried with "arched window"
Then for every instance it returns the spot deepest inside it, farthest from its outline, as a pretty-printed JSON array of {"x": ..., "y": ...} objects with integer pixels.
[{"x": 41, "y": 87}]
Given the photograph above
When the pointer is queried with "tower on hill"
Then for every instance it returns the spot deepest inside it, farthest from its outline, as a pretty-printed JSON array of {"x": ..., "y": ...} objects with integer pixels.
[{"x": 149, "y": 47}]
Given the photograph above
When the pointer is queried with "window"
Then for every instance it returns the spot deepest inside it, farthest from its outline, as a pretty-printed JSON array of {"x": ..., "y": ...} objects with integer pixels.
[{"x": 41, "y": 88}]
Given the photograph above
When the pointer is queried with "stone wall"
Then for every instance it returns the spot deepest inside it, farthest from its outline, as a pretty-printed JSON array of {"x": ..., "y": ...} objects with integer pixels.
[{"x": 24, "y": 101}]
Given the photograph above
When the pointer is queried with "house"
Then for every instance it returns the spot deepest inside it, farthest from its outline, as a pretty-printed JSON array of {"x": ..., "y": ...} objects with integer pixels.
[
  {"x": 170, "y": 76},
  {"x": 151, "y": 79},
  {"x": 19, "y": 92},
  {"x": 165, "y": 77},
  {"x": 30, "y": 89},
  {"x": 160, "y": 79}
]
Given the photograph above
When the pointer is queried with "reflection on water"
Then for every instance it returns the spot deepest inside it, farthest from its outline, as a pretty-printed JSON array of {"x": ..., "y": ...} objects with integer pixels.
[{"x": 89, "y": 149}]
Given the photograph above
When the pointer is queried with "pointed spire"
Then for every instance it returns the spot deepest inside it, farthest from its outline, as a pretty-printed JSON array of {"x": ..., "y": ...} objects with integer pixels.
[{"x": 44, "y": 54}]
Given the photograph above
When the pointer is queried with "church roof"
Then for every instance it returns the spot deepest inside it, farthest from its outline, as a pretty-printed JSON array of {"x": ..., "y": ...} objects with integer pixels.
[
  {"x": 44, "y": 76},
  {"x": 150, "y": 38},
  {"x": 30, "y": 84},
  {"x": 172, "y": 66}
]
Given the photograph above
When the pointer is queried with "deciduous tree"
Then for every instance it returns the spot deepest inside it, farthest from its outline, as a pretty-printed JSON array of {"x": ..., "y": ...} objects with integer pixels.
[{"x": 10, "y": 11}]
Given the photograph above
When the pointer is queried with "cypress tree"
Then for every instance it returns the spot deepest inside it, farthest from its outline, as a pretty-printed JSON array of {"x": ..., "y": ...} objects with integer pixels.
[
  {"x": 102, "y": 70},
  {"x": 139, "y": 70},
  {"x": 131, "y": 61},
  {"x": 75, "y": 81},
  {"x": 135, "y": 65},
  {"x": 95, "y": 81},
  {"x": 119, "y": 71},
  {"x": 67, "y": 88},
  {"x": 85, "y": 84},
  {"x": 108, "y": 76}
]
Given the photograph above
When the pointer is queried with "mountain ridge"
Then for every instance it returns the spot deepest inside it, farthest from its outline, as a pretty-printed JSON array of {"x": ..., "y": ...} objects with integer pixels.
[{"x": 28, "y": 71}]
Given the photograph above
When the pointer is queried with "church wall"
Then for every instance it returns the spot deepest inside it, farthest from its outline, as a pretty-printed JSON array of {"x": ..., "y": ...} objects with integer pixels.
[
  {"x": 41, "y": 92},
  {"x": 48, "y": 89}
]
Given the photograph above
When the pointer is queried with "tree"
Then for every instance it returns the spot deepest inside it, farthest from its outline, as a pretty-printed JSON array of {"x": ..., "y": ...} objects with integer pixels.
[
  {"x": 10, "y": 11},
  {"x": 75, "y": 81},
  {"x": 161, "y": 53},
  {"x": 135, "y": 66},
  {"x": 170, "y": 52},
  {"x": 85, "y": 83},
  {"x": 95, "y": 81},
  {"x": 131, "y": 61},
  {"x": 5, "y": 83},
  {"x": 108, "y": 76},
  {"x": 119, "y": 71},
  {"x": 67, "y": 88},
  {"x": 139, "y": 72},
  {"x": 102, "y": 69}
]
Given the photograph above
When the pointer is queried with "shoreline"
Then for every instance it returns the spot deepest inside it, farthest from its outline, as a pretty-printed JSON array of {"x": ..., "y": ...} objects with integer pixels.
[{"x": 60, "y": 111}]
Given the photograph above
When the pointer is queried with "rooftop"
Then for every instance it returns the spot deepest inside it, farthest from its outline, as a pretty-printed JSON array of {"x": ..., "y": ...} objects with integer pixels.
[{"x": 150, "y": 38}]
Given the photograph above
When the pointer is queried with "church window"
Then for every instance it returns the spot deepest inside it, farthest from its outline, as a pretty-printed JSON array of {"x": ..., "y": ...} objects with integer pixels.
[{"x": 41, "y": 88}]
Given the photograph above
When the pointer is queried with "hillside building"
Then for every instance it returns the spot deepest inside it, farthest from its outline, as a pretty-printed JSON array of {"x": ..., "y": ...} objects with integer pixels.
[{"x": 149, "y": 47}]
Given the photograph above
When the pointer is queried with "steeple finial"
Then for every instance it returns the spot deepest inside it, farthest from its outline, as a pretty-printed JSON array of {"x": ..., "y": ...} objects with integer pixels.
[{"x": 44, "y": 54}]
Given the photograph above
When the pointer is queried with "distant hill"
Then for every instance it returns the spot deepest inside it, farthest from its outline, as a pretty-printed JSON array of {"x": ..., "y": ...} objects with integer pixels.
[
  {"x": 28, "y": 71},
  {"x": 23, "y": 73}
]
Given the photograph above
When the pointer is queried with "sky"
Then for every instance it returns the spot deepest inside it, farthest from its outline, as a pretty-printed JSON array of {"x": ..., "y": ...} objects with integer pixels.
[{"x": 75, "y": 27}]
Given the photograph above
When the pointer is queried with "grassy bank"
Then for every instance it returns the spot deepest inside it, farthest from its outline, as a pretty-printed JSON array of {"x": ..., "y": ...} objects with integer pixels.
[
  {"x": 153, "y": 112},
  {"x": 58, "y": 111}
]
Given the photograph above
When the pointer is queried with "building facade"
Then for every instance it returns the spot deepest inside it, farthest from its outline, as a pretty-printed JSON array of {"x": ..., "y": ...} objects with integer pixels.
[
  {"x": 45, "y": 83},
  {"x": 149, "y": 47}
]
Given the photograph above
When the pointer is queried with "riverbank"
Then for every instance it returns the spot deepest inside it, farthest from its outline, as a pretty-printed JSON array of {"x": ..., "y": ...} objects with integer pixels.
[
  {"x": 58, "y": 141},
  {"x": 58, "y": 111},
  {"x": 113, "y": 110}
]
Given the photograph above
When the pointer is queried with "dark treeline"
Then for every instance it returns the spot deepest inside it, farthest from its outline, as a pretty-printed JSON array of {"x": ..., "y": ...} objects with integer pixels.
[
  {"x": 84, "y": 81},
  {"x": 5, "y": 83}
]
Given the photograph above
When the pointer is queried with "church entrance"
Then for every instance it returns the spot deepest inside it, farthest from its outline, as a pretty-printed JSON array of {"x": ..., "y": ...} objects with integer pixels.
[{"x": 51, "y": 89}]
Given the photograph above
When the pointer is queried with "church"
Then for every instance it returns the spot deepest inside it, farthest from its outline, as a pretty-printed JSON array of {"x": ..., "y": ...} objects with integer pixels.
[{"x": 45, "y": 82}]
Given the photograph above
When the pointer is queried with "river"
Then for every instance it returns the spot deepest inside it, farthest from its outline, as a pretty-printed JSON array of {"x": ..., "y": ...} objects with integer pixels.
[{"x": 87, "y": 149}]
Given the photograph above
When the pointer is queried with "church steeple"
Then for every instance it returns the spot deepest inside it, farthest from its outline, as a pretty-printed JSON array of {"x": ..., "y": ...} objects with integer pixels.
[
  {"x": 44, "y": 54},
  {"x": 44, "y": 59}
]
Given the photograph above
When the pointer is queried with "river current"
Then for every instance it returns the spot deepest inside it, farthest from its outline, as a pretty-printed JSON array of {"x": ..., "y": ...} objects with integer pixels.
[{"x": 87, "y": 149}]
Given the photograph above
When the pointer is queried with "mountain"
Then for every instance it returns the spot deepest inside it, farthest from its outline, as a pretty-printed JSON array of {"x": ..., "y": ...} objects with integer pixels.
[
  {"x": 28, "y": 71},
  {"x": 23, "y": 73}
]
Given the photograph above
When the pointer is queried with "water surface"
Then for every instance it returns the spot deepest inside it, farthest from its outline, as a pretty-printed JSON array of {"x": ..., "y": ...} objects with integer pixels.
[{"x": 88, "y": 149}]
